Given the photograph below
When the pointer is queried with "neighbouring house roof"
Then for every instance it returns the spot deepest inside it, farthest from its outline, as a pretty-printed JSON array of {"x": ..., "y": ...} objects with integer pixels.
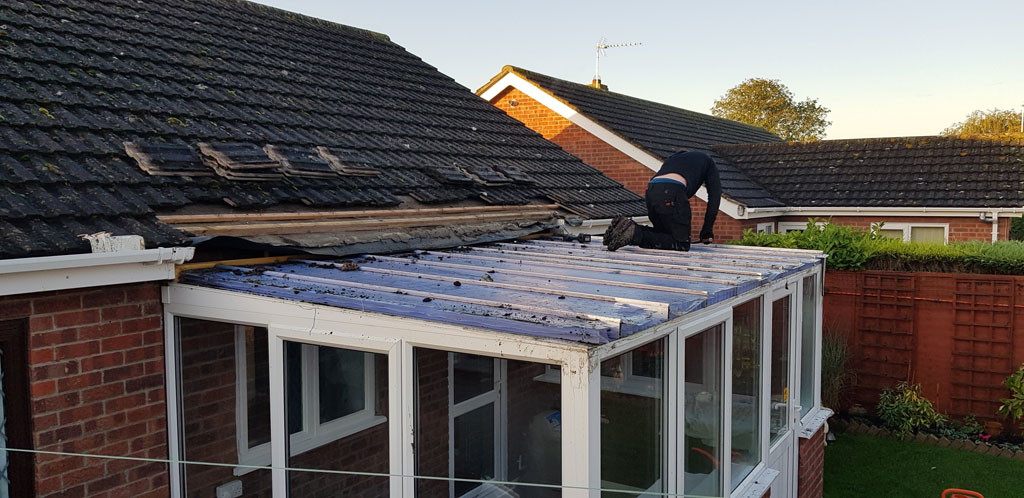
[
  {"x": 659, "y": 129},
  {"x": 114, "y": 112},
  {"x": 559, "y": 290},
  {"x": 887, "y": 172}
]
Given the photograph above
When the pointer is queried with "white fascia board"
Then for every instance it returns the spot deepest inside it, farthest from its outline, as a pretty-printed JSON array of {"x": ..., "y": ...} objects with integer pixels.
[
  {"x": 729, "y": 207},
  {"x": 880, "y": 211},
  {"x": 49, "y": 273}
]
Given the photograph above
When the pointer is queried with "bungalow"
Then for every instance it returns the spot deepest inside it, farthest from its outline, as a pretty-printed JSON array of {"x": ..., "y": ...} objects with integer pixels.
[
  {"x": 921, "y": 188},
  {"x": 226, "y": 270}
]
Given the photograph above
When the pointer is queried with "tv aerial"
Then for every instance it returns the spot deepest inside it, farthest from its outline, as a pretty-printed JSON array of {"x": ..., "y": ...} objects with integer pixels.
[{"x": 601, "y": 47}]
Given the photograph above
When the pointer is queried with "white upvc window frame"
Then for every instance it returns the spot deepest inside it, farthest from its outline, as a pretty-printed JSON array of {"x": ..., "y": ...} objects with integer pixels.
[
  {"x": 797, "y": 226},
  {"x": 767, "y": 228},
  {"x": 906, "y": 227},
  {"x": 498, "y": 396},
  {"x": 314, "y": 434}
]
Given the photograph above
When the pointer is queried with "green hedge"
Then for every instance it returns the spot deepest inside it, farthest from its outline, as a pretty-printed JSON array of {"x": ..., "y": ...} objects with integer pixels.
[{"x": 852, "y": 249}]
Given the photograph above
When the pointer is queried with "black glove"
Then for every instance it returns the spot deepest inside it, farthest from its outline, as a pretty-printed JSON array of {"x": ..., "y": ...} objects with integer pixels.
[{"x": 707, "y": 236}]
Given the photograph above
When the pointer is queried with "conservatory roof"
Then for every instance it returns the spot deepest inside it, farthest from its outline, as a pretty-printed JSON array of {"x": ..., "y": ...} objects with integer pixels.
[{"x": 541, "y": 288}]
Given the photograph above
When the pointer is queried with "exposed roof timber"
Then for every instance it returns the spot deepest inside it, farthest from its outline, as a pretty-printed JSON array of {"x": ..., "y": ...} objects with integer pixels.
[
  {"x": 362, "y": 224},
  {"x": 319, "y": 215}
]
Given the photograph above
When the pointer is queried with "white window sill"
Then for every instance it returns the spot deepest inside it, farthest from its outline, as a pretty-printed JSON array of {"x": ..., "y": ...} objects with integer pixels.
[
  {"x": 813, "y": 421},
  {"x": 260, "y": 456},
  {"x": 759, "y": 485}
]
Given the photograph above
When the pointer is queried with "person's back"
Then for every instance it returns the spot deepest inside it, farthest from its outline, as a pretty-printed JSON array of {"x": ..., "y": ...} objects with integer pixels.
[{"x": 668, "y": 205}]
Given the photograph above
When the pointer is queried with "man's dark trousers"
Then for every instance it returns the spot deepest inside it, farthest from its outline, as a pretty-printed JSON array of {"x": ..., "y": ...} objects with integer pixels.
[{"x": 668, "y": 207}]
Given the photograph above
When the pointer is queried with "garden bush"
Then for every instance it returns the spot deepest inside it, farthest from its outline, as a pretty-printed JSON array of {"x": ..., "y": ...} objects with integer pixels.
[
  {"x": 906, "y": 410},
  {"x": 854, "y": 249}
]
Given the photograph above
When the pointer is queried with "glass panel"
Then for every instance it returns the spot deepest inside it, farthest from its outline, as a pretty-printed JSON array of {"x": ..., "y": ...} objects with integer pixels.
[
  {"x": 474, "y": 447},
  {"x": 257, "y": 385},
  {"x": 928, "y": 234},
  {"x": 632, "y": 429},
  {"x": 342, "y": 377},
  {"x": 208, "y": 378},
  {"x": 891, "y": 233},
  {"x": 703, "y": 412},
  {"x": 779, "y": 422},
  {"x": 647, "y": 360},
  {"x": 357, "y": 443},
  {"x": 293, "y": 386},
  {"x": 613, "y": 367},
  {"x": 746, "y": 389},
  {"x": 808, "y": 344},
  {"x": 474, "y": 375}
]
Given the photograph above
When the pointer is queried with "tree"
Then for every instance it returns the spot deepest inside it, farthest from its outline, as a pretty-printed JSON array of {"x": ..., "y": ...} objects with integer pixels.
[
  {"x": 994, "y": 122},
  {"x": 770, "y": 105}
]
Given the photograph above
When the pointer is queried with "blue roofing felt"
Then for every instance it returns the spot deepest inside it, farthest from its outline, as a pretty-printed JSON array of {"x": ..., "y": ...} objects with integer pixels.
[{"x": 561, "y": 290}]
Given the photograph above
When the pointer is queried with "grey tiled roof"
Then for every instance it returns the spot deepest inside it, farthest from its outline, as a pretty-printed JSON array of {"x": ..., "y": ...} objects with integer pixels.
[
  {"x": 887, "y": 172},
  {"x": 662, "y": 129},
  {"x": 81, "y": 77}
]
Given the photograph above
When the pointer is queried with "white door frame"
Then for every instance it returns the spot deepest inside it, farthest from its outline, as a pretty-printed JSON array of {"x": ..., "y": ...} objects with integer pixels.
[{"x": 782, "y": 453}]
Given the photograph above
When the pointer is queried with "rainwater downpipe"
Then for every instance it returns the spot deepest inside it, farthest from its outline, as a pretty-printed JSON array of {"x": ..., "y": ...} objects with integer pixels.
[{"x": 993, "y": 218}]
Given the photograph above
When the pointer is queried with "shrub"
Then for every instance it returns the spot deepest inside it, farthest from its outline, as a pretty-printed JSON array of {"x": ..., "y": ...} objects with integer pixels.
[
  {"x": 1013, "y": 407},
  {"x": 905, "y": 410}
]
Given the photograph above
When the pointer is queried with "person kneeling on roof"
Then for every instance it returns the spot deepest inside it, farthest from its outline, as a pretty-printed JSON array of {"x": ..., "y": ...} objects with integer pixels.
[{"x": 668, "y": 206}]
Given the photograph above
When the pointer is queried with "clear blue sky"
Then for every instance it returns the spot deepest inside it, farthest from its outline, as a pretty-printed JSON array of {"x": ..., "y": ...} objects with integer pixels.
[{"x": 884, "y": 68}]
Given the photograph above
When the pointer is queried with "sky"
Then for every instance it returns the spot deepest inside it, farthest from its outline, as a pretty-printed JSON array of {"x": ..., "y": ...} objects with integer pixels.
[{"x": 883, "y": 68}]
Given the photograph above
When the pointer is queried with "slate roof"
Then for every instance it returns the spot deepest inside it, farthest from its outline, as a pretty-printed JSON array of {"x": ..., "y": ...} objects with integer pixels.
[
  {"x": 887, "y": 172},
  {"x": 82, "y": 77},
  {"x": 660, "y": 129}
]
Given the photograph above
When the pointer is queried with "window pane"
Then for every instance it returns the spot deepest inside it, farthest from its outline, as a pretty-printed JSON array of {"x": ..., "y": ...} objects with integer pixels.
[
  {"x": 210, "y": 423},
  {"x": 891, "y": 233},
  {"x": 632, "y": 430},
  {"x": 703, "y": 412},
  {"x": 474, "y": 375},
  {"x": 474, "y": 447},
  {"x": 257, "y": 385},
  {"x": 293, "y": 386},
  {"x": 779, "y": 422},
  {"x": 355, "y": 444},
  {"x": 928, "y": 234},
  {"x": 342, "y": 377},
  {"x": 807, "y": 344},
  {"x": 746, "y": 389}
]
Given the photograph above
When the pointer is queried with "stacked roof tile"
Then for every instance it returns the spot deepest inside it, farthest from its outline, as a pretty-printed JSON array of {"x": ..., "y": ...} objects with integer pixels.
[
  {"x": 82, "y": 78},
  {"x": 889, "y": 172},
  {"x": 663, "y": 130}
]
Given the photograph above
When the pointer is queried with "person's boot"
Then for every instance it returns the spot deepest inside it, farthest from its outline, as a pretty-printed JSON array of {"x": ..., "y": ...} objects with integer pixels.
[{"x": 624, "y": 234}]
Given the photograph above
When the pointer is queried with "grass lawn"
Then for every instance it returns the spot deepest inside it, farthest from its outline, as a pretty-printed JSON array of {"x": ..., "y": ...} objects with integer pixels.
[{"x": 863, "y": 466}]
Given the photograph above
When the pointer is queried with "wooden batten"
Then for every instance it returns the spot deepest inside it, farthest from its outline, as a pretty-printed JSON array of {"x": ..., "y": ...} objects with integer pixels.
[{"x": 319, "y": 215}]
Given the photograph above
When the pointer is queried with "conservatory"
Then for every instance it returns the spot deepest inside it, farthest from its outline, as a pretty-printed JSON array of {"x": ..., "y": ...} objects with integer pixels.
[{"x": 525, "y": 369}]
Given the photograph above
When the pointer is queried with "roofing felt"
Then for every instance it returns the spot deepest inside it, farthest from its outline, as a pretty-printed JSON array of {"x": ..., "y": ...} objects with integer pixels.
[
  {"x": 887, "y": 172},
  {"x": 83, "y": 77},
  {"x": 664, "y": 130},
  {"x": 572, "y": 291}
]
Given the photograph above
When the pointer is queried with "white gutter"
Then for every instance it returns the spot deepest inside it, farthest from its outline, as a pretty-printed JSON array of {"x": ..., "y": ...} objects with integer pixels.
[
  {"x": 27, "y": 275},
  {"x": 877, "y": 211}
]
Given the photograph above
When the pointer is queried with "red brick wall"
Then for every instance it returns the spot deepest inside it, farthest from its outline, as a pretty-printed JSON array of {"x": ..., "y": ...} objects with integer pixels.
[
  {"x": 597, "y": 153},
  {"x": 810, "y": 479},
  {"x": 960, "y": 228},
  {"x": 97, "y": 386}
]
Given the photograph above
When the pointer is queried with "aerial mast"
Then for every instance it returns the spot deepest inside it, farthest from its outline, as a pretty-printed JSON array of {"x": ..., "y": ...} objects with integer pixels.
[{"x": 601, "y": 46}]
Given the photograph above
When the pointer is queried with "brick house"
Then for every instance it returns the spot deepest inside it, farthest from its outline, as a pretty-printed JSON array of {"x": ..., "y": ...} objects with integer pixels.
[
  {"x": 942, "y": 189},
  {"x": 233, "y": 153}
]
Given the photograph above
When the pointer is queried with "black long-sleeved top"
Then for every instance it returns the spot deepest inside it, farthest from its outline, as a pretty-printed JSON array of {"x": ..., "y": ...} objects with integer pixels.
[{"x": 697, "y": 168}]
